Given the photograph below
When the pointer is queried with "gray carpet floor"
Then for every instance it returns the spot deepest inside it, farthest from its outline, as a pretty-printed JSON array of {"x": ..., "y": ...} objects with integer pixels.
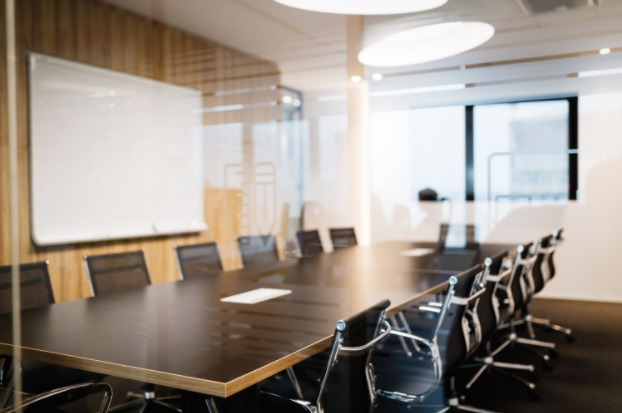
[{"x": 587, "y": 376}]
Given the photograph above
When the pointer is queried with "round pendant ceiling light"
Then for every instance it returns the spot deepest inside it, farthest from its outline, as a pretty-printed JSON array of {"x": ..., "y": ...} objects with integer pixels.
[
  {"x": 426, "y": 44},
  {"x": 364, "y": 7}
]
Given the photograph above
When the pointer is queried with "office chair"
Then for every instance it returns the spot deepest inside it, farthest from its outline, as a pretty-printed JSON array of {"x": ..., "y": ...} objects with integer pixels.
[
  {"x": 112, "y": 273},
  {"x": 462, "y": 335},
  {"x": 309, "y": 242},
  {"x": 346, "y": 383},
  {"x": 258, "y": 250},
  {"x": 35, "y": 288},
  {"x": 497, "y": 273},
  {"x": 513, "y": 299},
  {"x": 343, "y": 238},
  {"x": 541, "y": 273},
  {"x": 399, "y": 373},
  {"x": 51, "y": 400},
  {"x": 557, "y": 240},
  {"x": 35, "y": 291},
  {"x": 200, "y": 260}
]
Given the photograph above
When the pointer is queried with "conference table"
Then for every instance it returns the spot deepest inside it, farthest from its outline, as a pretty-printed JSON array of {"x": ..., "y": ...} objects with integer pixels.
[{"x": 189, "y": 336}]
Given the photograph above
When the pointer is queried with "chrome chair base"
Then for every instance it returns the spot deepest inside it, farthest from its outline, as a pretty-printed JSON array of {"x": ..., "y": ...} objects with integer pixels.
[
  {"x": 546, "y": 324},
  {"x": 145, "y": 400},
  {"x": 528, "y": 344},
  {"x": 530, "y": 322},
  {"x": 489, "y": 364}
]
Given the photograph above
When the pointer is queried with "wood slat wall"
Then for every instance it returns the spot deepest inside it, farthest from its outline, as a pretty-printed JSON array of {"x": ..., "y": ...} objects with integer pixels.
[{"x": 97, "y": 33}]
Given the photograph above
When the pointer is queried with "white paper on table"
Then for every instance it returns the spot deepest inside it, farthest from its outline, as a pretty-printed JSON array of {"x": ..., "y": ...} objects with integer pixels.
[
  {"x": 256, "y": 296},
  {"x": 417, "y": 252}
]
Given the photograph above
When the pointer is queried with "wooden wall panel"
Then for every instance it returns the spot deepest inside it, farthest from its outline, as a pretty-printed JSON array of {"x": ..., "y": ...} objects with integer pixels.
[{"x": 99, "y": 34}]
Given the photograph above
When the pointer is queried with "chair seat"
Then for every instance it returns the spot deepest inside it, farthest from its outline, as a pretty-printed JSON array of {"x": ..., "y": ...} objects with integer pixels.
[
  {"x": 409, "y": 375},
  {"x": 434, "y": 404}
]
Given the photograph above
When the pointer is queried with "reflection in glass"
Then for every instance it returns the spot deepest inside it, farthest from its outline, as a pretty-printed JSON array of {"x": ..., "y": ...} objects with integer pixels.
[{"x": 525, "y": 146}]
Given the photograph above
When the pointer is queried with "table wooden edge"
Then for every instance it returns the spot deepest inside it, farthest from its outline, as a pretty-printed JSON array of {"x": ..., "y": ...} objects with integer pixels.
[{"x": 173, "y": 380}]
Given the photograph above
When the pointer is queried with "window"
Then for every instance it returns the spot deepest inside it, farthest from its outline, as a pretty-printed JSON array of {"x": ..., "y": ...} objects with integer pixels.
[{"x": 523, "y": 151}]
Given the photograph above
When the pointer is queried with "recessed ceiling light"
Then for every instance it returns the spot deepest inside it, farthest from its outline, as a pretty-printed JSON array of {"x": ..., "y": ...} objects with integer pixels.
[
  {"x": 426, "y": 44},
  {"x": 364, "y": 6},
  {"x": 287, "y": 99},
  {"x": 356, "y": 79},
  {"x": 605, "y": 50},
  {"x": 377, "y": 77}
]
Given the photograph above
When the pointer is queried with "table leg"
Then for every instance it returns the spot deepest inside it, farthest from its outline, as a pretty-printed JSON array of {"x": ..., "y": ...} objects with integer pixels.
[{"x": 246, "y": 401}]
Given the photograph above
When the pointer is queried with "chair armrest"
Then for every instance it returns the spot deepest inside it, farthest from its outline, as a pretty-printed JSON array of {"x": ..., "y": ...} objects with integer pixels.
[
  {"x": 271, "y": 402},
  {"x": 357, "y": 351},
  {"x": 430, "y": 307},
  {"x": 60, "y": 396},
  {"x": 429, "y": 344}
]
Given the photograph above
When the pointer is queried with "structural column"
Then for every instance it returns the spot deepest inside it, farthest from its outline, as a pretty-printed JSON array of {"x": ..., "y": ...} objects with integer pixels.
[{"x": 358, "y": 132}]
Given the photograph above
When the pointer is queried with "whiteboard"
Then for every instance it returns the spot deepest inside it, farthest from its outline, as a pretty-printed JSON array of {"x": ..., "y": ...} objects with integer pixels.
[{"x": 112, "y": 155}]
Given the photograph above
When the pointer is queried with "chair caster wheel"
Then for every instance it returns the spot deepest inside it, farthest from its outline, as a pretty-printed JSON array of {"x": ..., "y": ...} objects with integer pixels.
[
  {"x": 547, "y": 366},
  {"x": 570, "y": 339},
  {"x": 534, "y": 395},
  {"x": 553, "y": 354},
  {"x": 533, "y": 377}
]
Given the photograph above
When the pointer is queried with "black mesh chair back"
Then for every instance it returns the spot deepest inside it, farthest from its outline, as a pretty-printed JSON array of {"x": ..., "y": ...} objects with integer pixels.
[
  {"x": 537, "y": 271},
  {"x": 343, "y": 237},
  {"x": 518, "y": 283},
  {"x": 470, "y": 230},
  {"x": 112, "y": 273},
  {"x": 442, "y": 237},
  {"x": 488, "y": 305},
  {"x": 258, "y": 250},
  {"x": 346, "y": 385},
  {"x": 200, "y": 260},
  {"x": 462, "y": 343},
  {"x": 35, "y": 288},
  {"x": 309, "y": 242},
  {"x": 556, "y": 239},
  {"x": 469, "y": 234}
]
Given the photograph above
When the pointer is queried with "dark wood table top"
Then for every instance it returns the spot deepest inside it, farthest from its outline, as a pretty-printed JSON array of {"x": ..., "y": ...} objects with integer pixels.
[{"x": 181, "y": 334}]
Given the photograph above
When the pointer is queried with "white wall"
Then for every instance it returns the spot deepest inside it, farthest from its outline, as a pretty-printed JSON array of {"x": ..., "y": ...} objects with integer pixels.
[{"x": 588, "y": 259}]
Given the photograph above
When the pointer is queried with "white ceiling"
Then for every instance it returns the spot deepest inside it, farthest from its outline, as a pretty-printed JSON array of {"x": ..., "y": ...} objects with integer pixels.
[{"x": 309, "y": 47}]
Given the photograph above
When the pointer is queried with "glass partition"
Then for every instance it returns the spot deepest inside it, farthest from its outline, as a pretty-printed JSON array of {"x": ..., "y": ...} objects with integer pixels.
[
  {"x": 412, "y": 151},
  {"x": 521, "y": 151},
  {"x": 160, "y": 159}
]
